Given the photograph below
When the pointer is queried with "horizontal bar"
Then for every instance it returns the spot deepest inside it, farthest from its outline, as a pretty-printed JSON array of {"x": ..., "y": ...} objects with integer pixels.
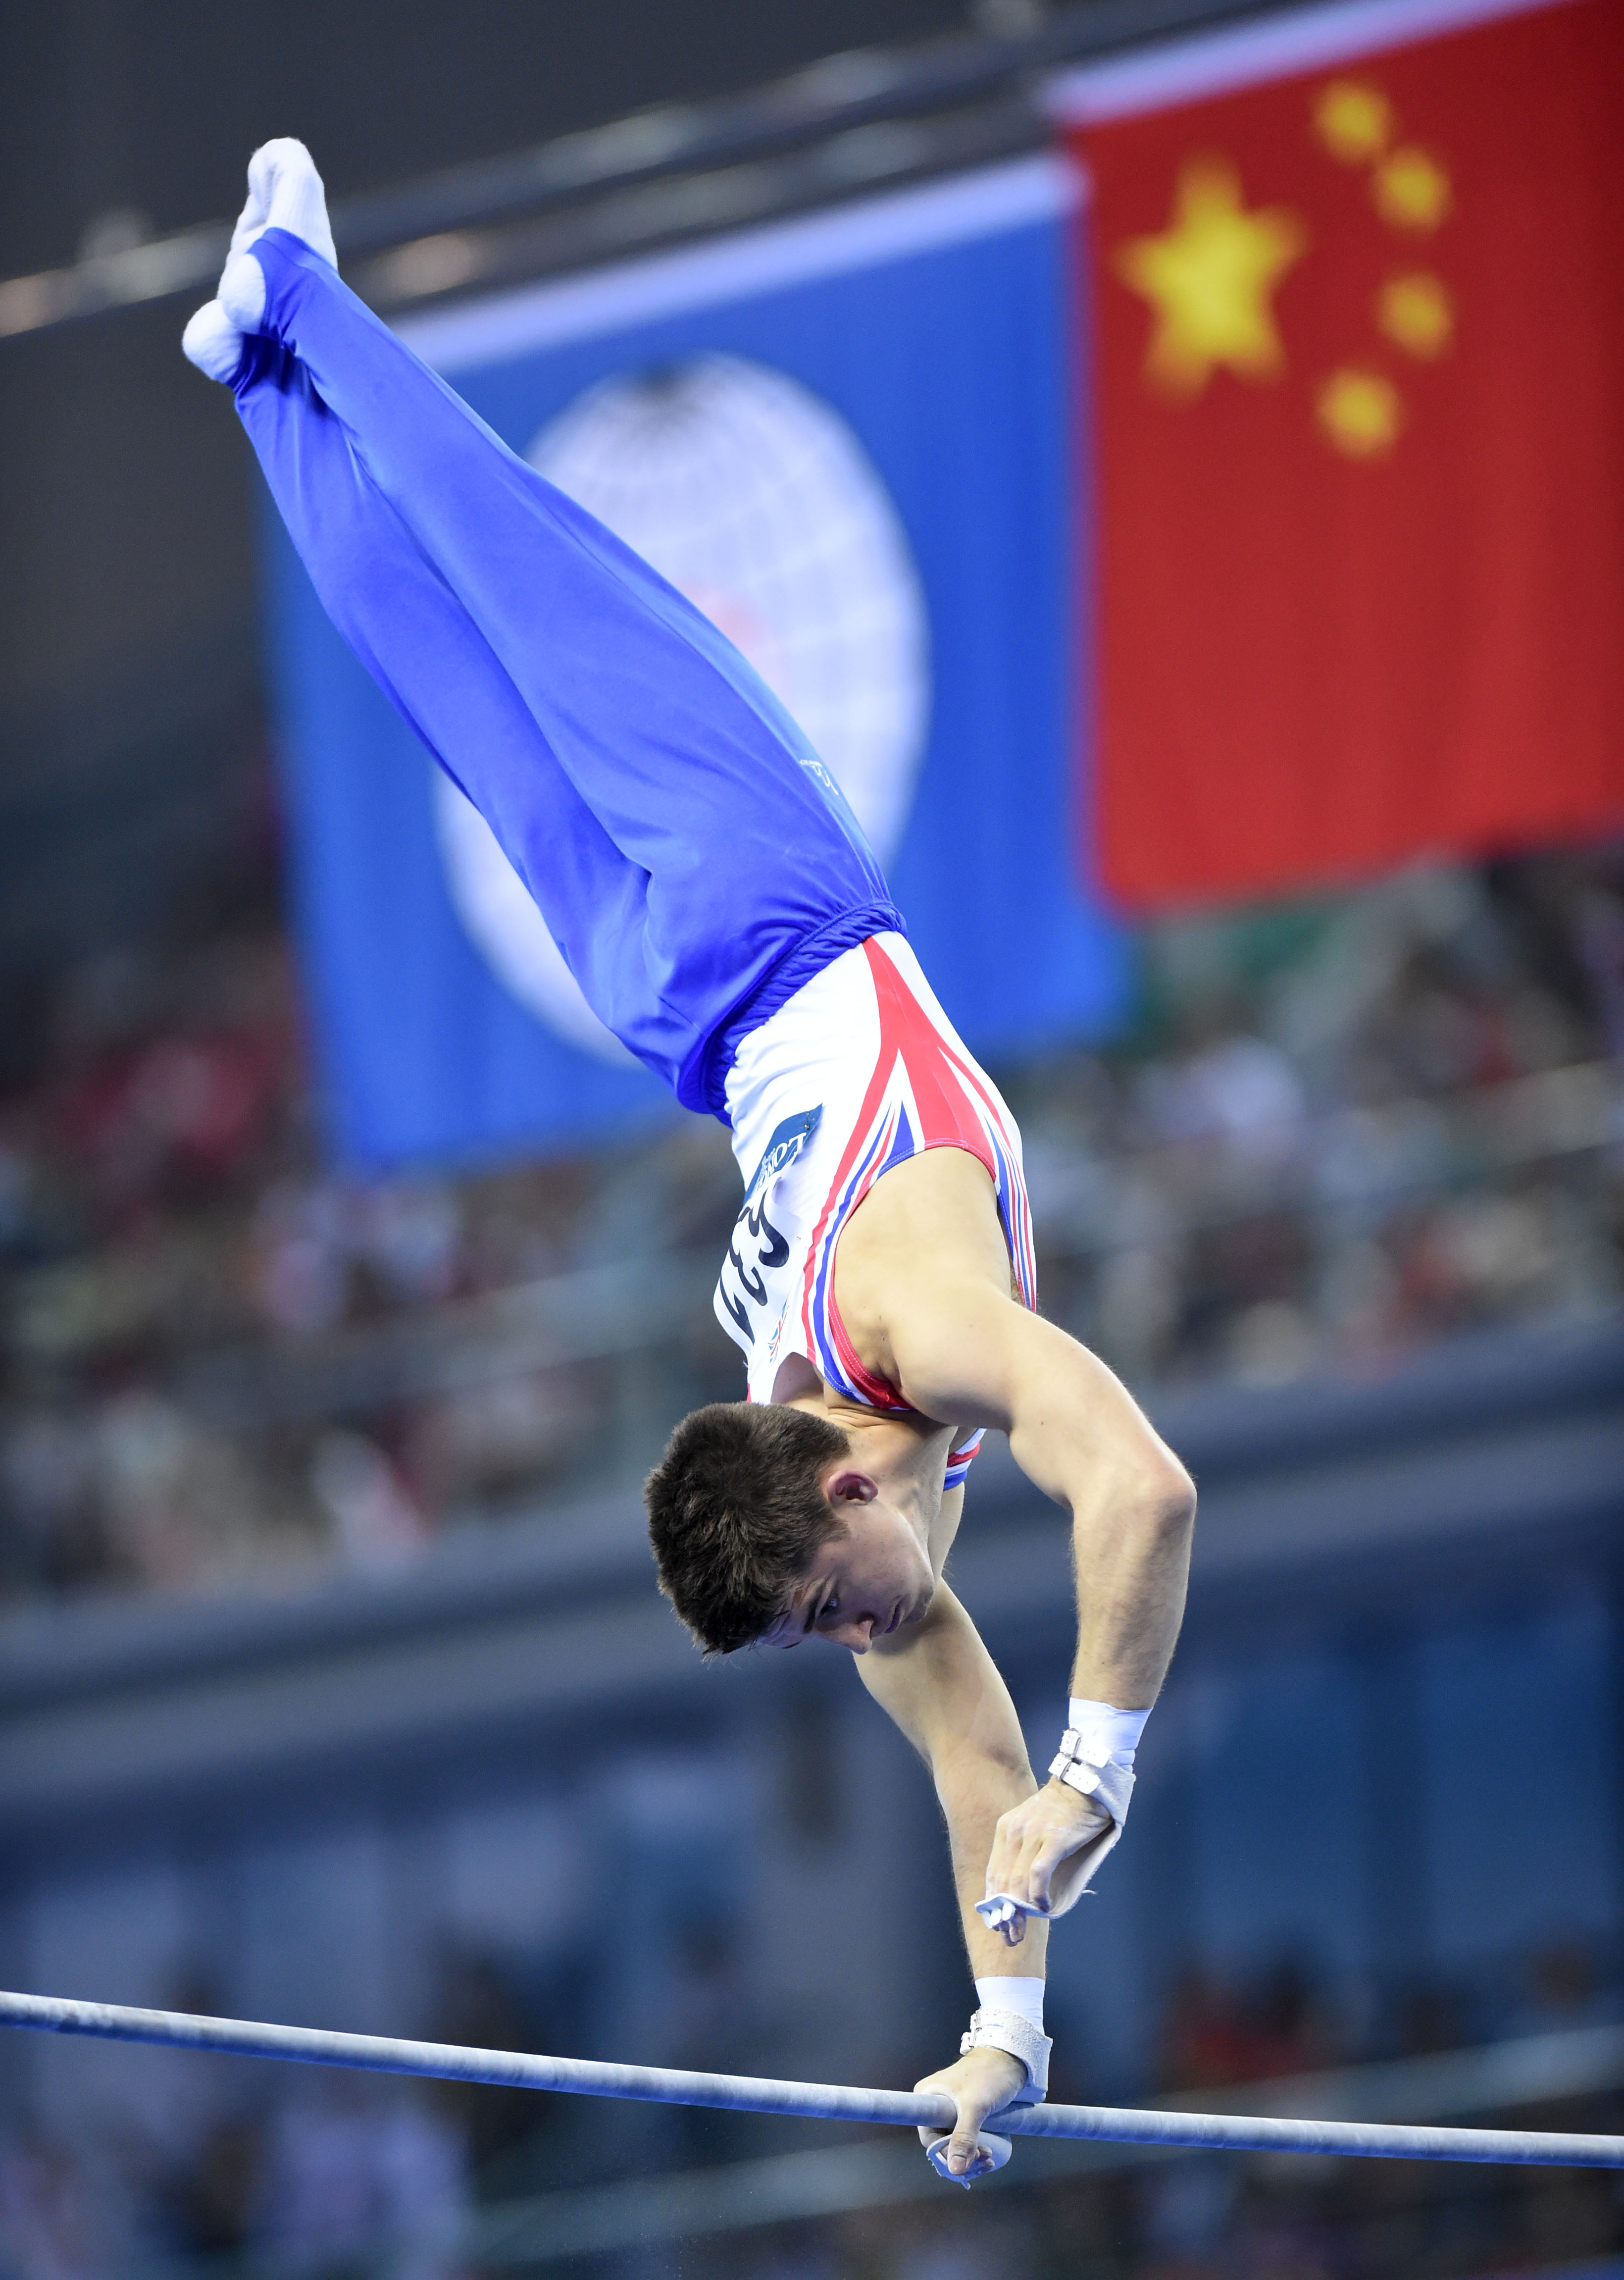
[
  {"x": 451, "y": 2062},
  {"x": 813, "y": 2101},
  {"x": 1251, "y": 2133}
]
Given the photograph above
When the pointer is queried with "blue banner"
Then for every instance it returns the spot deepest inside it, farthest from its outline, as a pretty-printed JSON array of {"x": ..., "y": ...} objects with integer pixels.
[{"x": 849, "y": 438}]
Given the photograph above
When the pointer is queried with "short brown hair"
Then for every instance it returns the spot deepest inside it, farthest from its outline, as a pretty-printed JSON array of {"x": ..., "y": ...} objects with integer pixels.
[{"x": 736, "y": 1509}]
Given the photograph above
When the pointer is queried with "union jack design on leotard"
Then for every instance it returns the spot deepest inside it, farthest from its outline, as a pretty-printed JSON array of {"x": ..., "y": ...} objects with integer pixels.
[
  {"x": 922, "y": 1095},
  {"x": 861, "y": 1070}
]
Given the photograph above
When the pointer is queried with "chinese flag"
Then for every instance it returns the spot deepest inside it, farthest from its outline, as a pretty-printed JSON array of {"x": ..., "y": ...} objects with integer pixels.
[{"x": 1360, "y": 445}]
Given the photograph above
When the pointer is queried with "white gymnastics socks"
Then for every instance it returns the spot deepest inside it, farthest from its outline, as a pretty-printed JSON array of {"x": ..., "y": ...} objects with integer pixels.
[
  {"x": 284, "y": 192},
  {"x": 212, "y": 342}
]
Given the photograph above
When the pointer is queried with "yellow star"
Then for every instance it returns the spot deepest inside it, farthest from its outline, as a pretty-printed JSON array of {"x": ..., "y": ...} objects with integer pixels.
[
  {"x": 1412, "y": 189},
  {"x": 1209, "y": 277},
  {"x": 1361, "y": 413},
  {"x": 1417, "y": 313},
  {"x": 1354, "y": 120}
]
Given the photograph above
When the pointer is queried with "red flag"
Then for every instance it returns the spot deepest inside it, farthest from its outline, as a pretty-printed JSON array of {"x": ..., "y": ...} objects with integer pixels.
[{"x": 1359, "y": 340}]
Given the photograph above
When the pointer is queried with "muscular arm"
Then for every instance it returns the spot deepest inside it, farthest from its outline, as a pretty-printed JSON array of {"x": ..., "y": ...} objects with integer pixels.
[
  {"x": 925, "y": 1291},
  {"x": 958, "y": 1347},
  {"x": 966, "y": 1352},
  {"x": 939, "y": 1684},
  {"x": 977, "y": 1357},
  {"x": 924, "y": 1286}
]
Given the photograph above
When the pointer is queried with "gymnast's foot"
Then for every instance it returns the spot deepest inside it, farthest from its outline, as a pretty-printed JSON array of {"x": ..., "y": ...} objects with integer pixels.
[{"x": 284, "y": 192}]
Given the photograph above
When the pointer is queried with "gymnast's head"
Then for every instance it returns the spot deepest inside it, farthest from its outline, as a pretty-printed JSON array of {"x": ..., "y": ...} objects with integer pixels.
[{"x": 768, "y": 1530}]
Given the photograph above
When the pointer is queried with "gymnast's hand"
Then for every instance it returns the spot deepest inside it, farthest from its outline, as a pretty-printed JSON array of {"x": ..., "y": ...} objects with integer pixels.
[
  {"x": 1038, "y": 1852},
  {"x": 979, "y": 2084}
]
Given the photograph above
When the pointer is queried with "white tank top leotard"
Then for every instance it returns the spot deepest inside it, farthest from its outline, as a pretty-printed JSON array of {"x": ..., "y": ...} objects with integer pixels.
[{"x": 859, "y": 1071}]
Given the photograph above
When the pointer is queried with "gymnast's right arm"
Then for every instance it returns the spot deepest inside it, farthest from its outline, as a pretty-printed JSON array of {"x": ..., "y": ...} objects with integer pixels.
[
  {"x": 936, "y": 1681},
  {"x": 940, "y": 1685}
]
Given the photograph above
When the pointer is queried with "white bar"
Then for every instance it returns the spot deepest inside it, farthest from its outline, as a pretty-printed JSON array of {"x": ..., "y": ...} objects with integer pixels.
[
  {"x": 1245, "y": 55},
  {"x": 814, "y": 2101}
]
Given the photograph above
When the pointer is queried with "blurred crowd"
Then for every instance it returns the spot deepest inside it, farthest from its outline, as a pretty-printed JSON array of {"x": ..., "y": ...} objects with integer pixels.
[
  {"x": 339, "y": 2179},
  {"x": 1345, "y": 1129},
  {"x": 233, "y": 2171},
  {"x": 1332, "y": 1131}
]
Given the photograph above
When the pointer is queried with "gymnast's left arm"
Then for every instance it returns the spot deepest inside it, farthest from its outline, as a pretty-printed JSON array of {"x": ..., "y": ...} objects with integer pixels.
[
  {"x": 964, "y": 1351},
  {"x": 939, "y": 1684}
]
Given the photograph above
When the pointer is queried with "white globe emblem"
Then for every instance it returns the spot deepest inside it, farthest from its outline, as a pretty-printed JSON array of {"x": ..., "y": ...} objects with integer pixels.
[{"x": 756, "y": 500}]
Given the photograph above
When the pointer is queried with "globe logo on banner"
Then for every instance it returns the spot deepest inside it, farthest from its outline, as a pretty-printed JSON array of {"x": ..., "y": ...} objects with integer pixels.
[{"x": 756, "y": 500}]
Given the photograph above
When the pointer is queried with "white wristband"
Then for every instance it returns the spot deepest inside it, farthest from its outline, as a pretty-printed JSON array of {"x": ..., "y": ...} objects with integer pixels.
[
  {"x": 1023, "y": 1995},
  {"x": 1108, "y": 1736}
]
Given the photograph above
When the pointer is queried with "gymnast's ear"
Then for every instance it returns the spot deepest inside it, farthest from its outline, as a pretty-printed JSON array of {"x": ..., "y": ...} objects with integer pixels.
[{"x": 847, "y": 1485}]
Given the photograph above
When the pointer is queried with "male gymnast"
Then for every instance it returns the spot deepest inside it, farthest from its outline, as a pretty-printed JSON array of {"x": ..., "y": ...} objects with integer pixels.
[{"x": 715, "y": 898}]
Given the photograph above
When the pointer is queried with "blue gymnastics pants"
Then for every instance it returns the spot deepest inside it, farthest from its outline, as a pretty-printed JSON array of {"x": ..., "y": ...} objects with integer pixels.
[{"x": 691, "y": 855}]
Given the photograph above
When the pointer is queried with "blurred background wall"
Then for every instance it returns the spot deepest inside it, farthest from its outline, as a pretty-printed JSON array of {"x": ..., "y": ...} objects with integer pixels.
[{"x": 1254, "y": 791}]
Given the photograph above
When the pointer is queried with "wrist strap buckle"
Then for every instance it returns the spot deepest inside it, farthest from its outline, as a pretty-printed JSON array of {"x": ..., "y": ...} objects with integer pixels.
[
  {"x": 1111, "y": 1787},
  {"x": 1008, "y": 2031}
]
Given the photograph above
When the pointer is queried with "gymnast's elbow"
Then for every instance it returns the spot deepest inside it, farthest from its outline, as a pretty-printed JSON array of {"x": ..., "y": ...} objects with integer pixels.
[{"x": 1154, "y": 1505}]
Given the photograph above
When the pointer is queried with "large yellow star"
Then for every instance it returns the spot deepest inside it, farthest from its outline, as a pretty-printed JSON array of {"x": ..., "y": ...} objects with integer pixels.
[{"x": 1210, "y": 277}]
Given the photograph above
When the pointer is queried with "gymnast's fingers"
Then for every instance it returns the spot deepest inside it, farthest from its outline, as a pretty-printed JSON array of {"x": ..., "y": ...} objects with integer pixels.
[
  {"x": 1022, "y": 1878},
  {"x": 1041, "y": 1868},
  {"x": 1008, "y": 1840}
]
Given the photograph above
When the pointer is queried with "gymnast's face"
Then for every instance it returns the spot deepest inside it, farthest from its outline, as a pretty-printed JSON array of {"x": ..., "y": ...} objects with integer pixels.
[{"x": 863, "y": 1584}]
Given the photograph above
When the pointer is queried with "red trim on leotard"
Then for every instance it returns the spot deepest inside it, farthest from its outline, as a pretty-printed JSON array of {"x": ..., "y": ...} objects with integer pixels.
[{"x": 945, "y": 1119}]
